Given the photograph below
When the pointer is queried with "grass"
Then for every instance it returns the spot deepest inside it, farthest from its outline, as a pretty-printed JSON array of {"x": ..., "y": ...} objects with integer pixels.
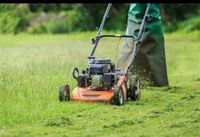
[{"x": 32, "y": 67}]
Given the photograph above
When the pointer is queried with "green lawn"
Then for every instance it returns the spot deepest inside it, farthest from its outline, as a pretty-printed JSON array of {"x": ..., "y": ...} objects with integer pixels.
[{"x": 32, "y": 67}]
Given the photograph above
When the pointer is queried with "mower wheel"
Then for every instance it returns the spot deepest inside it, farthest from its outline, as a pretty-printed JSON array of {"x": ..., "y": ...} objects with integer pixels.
[
  {"x": 118, "y": 98},
  {"x": 135, "y": 91},
  {"x": 64, "y": 93}
]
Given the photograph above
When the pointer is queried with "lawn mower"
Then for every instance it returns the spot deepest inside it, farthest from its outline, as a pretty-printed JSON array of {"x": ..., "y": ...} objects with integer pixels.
[{"x": 101, "y": 81}]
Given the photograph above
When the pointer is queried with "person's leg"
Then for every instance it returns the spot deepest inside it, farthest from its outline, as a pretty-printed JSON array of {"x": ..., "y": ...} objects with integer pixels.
[
  {"x": 126, "y": 50},
  {"x": 156, "y": 57},
  {"x": 141, "y": 66},
  {"x": 150, "y": 62}
]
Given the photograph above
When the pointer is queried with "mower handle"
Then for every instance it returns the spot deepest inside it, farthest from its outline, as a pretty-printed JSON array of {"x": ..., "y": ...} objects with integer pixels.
[
  {"x": 98, "y": 37},
  {"x": 118, "y": 35},
  {"x": 95, "y": 41},
  {"x": 137, "y": 39},
  {"x": 137, "y": 44}
]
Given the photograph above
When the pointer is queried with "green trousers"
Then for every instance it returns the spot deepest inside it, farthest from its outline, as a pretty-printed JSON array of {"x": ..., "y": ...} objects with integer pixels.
[{"x": 150, "y": 62}]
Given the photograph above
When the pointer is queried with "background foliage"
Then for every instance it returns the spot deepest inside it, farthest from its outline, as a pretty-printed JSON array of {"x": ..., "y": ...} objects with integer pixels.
[{"x": 65, "y": 18}]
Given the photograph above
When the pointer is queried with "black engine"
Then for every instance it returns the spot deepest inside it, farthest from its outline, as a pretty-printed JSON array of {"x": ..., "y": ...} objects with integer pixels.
[{"x": 100, "y": 73}]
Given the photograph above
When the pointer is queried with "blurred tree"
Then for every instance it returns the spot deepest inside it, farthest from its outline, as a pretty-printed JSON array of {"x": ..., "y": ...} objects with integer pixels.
[
  {"x": 87, "y": 16},
  {"x": 172, "y": 14}
]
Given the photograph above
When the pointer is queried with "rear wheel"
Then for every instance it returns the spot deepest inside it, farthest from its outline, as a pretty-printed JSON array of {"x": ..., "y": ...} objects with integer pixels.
[
  {"x": 135, "y": 91},
  {"x": 118, "y": 98},
  {"x": 64, "y": 93}
]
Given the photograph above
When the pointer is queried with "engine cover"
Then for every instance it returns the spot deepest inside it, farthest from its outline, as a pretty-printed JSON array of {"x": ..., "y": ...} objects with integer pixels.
[{"x": 99, "y": 68}]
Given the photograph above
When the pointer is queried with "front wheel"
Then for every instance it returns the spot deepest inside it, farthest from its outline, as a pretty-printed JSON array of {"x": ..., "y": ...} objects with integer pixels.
[
  {"x": 118, "y": 97},
  {"x": 64, "y": 93}
]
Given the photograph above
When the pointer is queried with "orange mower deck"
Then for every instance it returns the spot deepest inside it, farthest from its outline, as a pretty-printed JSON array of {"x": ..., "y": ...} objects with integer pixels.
[
  {"x": 83, "y": 94},
  {"x": 89, "y": 95}
]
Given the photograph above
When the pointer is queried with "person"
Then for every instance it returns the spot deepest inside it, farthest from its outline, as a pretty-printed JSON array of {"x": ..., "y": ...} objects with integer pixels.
[{"x": 150, "y": 62}]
